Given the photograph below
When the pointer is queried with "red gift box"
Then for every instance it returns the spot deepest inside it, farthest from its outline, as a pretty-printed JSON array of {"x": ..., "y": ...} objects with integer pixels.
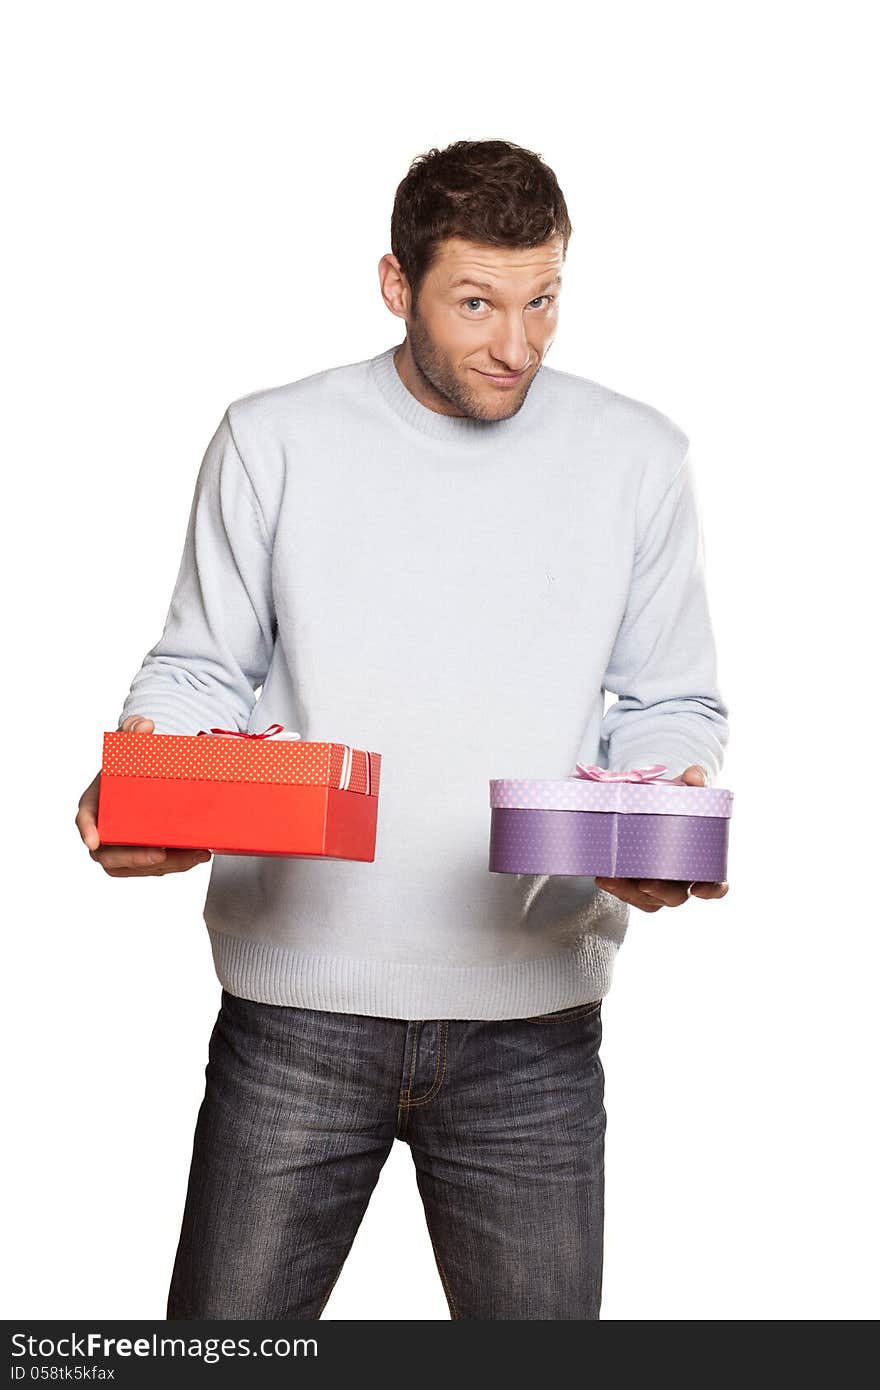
[{"x": 241, "y": 794}]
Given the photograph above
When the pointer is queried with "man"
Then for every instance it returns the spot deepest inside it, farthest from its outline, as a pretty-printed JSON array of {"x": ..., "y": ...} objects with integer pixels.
[{"x": 446, "y": 552}]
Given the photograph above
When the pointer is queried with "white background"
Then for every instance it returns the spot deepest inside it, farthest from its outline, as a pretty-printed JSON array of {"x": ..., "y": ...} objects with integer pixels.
[{"x": 198, "y": 196}]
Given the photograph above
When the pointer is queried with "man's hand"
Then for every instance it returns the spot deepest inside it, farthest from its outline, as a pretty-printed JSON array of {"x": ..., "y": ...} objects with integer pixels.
[
  {"x": 650, "y": 894},
  {"x": 130, "y": 861}
]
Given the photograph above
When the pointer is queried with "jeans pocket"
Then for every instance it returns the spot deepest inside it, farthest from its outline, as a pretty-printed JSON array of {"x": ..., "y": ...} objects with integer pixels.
[{"x": 565, "y": 1015}]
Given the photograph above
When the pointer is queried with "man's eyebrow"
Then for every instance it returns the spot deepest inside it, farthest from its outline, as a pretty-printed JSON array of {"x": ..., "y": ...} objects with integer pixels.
[{"x": 484, "y": 284}]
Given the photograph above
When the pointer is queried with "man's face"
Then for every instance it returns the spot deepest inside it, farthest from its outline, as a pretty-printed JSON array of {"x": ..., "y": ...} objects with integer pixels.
[{"x": 482, "y": 313}]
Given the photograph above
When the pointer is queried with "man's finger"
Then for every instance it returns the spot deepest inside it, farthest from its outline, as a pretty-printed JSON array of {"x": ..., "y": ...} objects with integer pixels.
[
  {"x": 184, "y": 859},
  {"x": 627, "y": 889},
  {"x": 668, "y": 892},
  {"x": 129, "y": 860},
  {"x": 159, "y": 870},
  {"x": 87, "y": 827},
  {"x": 127, "y": 856},
  {"x": 709, "y": 890},
  {"x": 87, "y": 814}
]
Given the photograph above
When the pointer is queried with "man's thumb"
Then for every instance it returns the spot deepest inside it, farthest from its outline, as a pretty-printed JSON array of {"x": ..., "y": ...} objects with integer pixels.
[
  {"x": 697, "y": 775},
  {"x": 138, "y": 724}
]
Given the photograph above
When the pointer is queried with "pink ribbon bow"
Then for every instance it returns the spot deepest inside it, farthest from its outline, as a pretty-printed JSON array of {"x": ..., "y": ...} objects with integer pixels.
[
  {"x": 632, "y": 774},
  {"x": 271, "y": 731}
]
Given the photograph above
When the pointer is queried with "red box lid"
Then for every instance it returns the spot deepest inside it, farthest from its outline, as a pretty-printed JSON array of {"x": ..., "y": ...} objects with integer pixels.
[{"x": 194, "y": 757}]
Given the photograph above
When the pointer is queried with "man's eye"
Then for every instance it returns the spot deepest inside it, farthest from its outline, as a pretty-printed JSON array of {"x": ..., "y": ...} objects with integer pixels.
[{"x": 536, "y": 300}]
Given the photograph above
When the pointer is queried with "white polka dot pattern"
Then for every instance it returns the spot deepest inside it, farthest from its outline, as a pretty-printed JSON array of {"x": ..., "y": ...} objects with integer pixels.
[
  {"x": 580, "y": 794},
  {"x": 195, "y": 758}
]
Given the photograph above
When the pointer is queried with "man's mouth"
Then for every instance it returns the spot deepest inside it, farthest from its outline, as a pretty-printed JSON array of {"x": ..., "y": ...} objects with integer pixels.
[{"x": 505, "y": 377}]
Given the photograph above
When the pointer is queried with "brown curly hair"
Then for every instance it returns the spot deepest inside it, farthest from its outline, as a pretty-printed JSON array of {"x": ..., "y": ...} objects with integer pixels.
[{"x": 488, "y": 191}]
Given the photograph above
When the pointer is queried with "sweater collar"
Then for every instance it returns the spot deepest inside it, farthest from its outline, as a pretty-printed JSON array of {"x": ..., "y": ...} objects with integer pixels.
[{"x": 431, "y": 422}]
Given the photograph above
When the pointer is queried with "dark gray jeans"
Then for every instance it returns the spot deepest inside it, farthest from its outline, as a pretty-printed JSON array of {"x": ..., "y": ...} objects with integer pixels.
[{"x": 505, "y": 1121}]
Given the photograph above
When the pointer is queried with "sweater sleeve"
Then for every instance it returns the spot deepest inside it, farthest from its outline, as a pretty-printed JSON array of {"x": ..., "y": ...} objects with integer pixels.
[
  {"x": 662, "y": 667},
  {"x": 219, "y": 633}
]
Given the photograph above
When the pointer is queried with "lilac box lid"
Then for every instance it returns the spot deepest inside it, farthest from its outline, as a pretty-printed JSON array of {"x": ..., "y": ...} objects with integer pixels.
[{"x": 581, "y": 794}]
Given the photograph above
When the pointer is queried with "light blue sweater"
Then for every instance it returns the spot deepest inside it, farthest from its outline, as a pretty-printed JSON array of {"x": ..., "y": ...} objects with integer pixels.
[{"x": 455, "y": 594}]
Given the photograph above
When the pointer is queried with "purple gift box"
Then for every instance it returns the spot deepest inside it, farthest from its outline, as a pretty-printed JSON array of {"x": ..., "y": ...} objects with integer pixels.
[{"x": 632, "y": 824}]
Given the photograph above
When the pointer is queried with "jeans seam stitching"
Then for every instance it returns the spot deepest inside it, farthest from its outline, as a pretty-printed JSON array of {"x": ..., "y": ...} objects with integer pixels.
[
  {"x": 402, "y": 1103},
  {"x": 442, "y": 1051}
]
